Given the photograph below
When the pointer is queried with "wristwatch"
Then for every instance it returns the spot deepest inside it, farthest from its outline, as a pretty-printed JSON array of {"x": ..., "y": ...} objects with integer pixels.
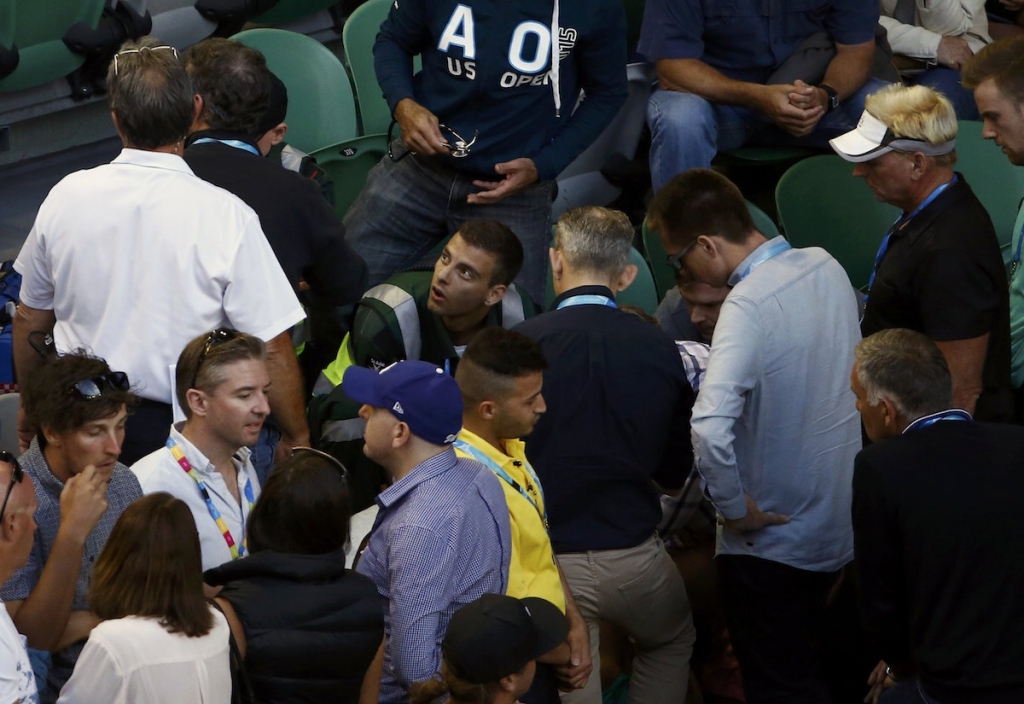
[{"x": 833, "y": 97}]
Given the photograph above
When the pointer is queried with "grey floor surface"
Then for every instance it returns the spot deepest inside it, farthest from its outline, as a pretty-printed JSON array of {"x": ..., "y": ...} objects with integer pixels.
[{"x": 23, "y": 187}]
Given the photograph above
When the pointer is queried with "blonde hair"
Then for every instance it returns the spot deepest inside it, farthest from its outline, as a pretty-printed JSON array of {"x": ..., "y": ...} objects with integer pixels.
[{"x": 916, "y": 112}]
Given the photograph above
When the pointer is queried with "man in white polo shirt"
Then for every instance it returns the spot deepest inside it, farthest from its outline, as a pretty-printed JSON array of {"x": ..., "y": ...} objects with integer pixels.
[
  {"x": 222, "y": 386},
  {"x": 133, "y": 259}
]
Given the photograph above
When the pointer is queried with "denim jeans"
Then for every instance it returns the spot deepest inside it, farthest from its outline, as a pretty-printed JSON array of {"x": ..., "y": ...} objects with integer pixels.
[
  {"x": 262, "y": 453},
  {"x": 947, "y": 81},
  {"x": 408, "y": 206},
  {"x": 687, "y": 130},
  {"x": 906, "y": 692}
]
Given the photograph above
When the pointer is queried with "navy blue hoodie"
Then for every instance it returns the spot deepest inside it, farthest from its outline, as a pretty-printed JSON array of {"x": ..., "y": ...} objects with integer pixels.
[{"x": 486, "y": 69}]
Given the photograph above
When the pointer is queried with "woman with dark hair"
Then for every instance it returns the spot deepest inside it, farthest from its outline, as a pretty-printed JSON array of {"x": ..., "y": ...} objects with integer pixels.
[
  {"x": 309, "y": 630},
  {"x": 159, "y": 640}
]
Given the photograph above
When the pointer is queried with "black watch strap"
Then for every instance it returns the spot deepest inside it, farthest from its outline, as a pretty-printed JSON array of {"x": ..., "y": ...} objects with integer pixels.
[{"x": 833, "y": 97}]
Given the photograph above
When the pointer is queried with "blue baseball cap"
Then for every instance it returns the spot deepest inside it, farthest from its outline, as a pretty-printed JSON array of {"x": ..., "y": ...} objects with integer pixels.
[{"x": 417, "y": 393}]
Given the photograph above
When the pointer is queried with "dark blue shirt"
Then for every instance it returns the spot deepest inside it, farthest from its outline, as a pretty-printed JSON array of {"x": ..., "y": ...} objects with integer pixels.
[
  {"x": 748, "y": 39},
  {"x": 618, "y": 417}
]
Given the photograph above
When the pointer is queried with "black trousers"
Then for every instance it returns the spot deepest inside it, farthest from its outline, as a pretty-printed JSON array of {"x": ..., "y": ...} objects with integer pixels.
[
  {"x": 146, "y": 430},
  {"x": 774, "y": 613}
]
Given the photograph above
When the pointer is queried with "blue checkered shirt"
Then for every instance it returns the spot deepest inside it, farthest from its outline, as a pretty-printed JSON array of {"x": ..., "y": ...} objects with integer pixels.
[
  {"x": 122, "y": 490},
  {"x": 441, "y": 540}
]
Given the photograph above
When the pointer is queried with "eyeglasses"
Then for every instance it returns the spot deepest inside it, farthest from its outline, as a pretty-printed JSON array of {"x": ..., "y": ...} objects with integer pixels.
[
  {"x": 214, "y": 338},
  {"x": 92, "y": 388},
  {"x": 17, "y": 474},
  {"x": 456, "y": 143},
  {"x": 142, "y": 49},
  {"x": 675, "y": 261},
  {"x": 330, "y": 458}
]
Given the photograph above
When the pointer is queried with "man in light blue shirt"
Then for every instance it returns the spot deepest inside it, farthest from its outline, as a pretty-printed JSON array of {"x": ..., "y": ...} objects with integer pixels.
[{"x": 774, "y": 434}]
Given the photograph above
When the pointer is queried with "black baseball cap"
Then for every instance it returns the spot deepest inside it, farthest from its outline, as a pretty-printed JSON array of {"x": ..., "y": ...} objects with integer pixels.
[{"x": 497, "y": 635}]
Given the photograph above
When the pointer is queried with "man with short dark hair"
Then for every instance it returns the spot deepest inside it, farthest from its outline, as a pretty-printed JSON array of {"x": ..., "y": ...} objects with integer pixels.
[
  {"x": 939, "y": 269},
  {"x": 940, "y": 566},
  {"x": 419, "y": 315},
  {"x": 233, "y": 85},
  {"x": 617, "y": 423},
  {"x": 222, "y": 385},
  {"x": 500, "y": 377},
  {"x": 80, "y": 407},
  {"x": 442, "y": 537},
  {"x": 17, "y": 528},
  {"x": 996, "y": 75},
  {"x": 774, "y": 436},
  {"x": 136, "y": 257}
]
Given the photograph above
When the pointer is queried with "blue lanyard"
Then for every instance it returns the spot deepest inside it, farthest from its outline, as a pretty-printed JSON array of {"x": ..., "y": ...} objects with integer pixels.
[
  {"x": 1016, "y": 257},
  {"x": 772, "y": 250},
  {"x": 236, "y": 143},
  {"x": 587, "y": 299},
  {"x": 500, "y": 471},
  {"x": 925, "y": 421},
  {"x": 901, "y": 222}
]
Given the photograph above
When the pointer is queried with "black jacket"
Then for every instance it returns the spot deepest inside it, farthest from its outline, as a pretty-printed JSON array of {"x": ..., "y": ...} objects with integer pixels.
[{"x": 312, "y": 628}]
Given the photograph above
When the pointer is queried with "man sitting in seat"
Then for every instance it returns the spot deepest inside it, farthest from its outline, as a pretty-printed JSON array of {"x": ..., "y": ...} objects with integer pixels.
[{"x": 419, "y": 315}]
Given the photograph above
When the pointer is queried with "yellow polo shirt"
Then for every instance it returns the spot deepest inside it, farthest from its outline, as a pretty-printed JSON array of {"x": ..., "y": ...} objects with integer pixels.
[{"x": 532, "y": 571}]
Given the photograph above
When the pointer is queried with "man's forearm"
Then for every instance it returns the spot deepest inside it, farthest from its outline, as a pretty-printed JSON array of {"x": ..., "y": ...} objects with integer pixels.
[
  {"x": 43, "y": 616},
  {"x": 850, "y": 68},
  {"x": 966, "y": 361},
  {"x": 28, "y": 320},
  {"x": 695, "y": 76},
  {"x": 287, "y": 398}
]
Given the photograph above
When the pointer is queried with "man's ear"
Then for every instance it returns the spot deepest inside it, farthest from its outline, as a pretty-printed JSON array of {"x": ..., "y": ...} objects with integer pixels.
[
  {"x": 627, "y": 277},
  {"x": 117, "y": 127},
  {"x": 508, "y": 682},
  {"x": 196, "y": 401},
  {"x": 197, "y": 111},
  {"x": 556, "y": 263},
  {"x": 400, "y": 434},
  {"x": 487, "y": 410},
  {"x": 277, "y": 133},
  {"x": 495, "y": 295},
  {"x": 891, "y": 412},
  {"x": 52, "y": 439}
]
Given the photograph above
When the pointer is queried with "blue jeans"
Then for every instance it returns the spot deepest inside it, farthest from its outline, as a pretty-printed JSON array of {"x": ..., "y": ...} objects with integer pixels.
[
  {"x": 947, "y": 81},
  {"x": 687, "y": 130},
  {"x": 262, "y": 453},
  {"x": 906, "y": 692},
  {"x": 408, "y": 206}
]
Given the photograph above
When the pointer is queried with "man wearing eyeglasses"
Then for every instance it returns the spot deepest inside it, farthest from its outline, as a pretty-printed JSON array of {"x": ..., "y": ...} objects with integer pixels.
[
  {"x": 17, "y": 528},
  {"x": 773, "y": 432},
  {"x": 222, "y": 385},
  {"x": 80, "y": 407},
  {"x": 135, "y": 258},
  {"x": 939, "y": 269}
]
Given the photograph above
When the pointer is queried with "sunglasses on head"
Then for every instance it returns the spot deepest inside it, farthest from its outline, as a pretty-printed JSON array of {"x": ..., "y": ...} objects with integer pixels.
[
  {"x": 17, "y": 474},
  {"x": 126, "y": 52},
  {"x": 213, "y": 338},
  {"x": 92, "y": 388},
  {"x": 330, "y": 458}
]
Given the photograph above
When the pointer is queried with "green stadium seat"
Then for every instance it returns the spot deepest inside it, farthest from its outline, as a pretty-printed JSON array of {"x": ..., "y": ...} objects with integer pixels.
[
  {"x": 348, "y": 163},
  {"x": 321, "y": 107}
]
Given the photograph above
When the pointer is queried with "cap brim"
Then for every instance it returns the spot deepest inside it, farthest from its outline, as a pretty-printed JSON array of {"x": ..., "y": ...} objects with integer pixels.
[
  {"x": 855, "y": 147},
  {"x": 551, "y": 624},
  {"x": 361, "y": 386}
]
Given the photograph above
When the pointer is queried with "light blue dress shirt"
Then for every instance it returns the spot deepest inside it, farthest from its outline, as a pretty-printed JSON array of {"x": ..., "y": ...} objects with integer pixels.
[{"x": 775, "y": 417}]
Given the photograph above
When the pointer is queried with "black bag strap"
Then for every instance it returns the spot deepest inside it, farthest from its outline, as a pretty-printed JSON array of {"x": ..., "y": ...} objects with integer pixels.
[{"x": 241, "y": 687}]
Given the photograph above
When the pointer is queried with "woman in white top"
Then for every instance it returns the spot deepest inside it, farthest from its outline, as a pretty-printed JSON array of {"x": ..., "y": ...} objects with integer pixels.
[{"x": 159, "y": 640}]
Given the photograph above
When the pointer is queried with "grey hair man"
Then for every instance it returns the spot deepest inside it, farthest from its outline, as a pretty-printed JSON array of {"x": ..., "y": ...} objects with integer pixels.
[
  {"x": 135, "y": 258},
  {"x": 939, "y": 269},
  {"x": 924, "y": 559},
  {"x": 617, "y": 421}
]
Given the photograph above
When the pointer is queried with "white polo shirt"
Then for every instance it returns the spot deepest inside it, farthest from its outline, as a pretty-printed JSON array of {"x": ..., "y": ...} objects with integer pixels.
[
  {"x": 17, "y": 682},
  {"x": 159, "y": 471},
  {"x": 139, "y": 256}
]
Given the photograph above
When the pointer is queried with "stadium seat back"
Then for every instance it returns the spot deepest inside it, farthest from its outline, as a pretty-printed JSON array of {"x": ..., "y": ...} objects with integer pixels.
[
  {"x": 347, "y": 164},
  {"x": 290, "y": 10},
  {"x": 321, "y": 107},
  {"x": 821, "y": 204}
]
